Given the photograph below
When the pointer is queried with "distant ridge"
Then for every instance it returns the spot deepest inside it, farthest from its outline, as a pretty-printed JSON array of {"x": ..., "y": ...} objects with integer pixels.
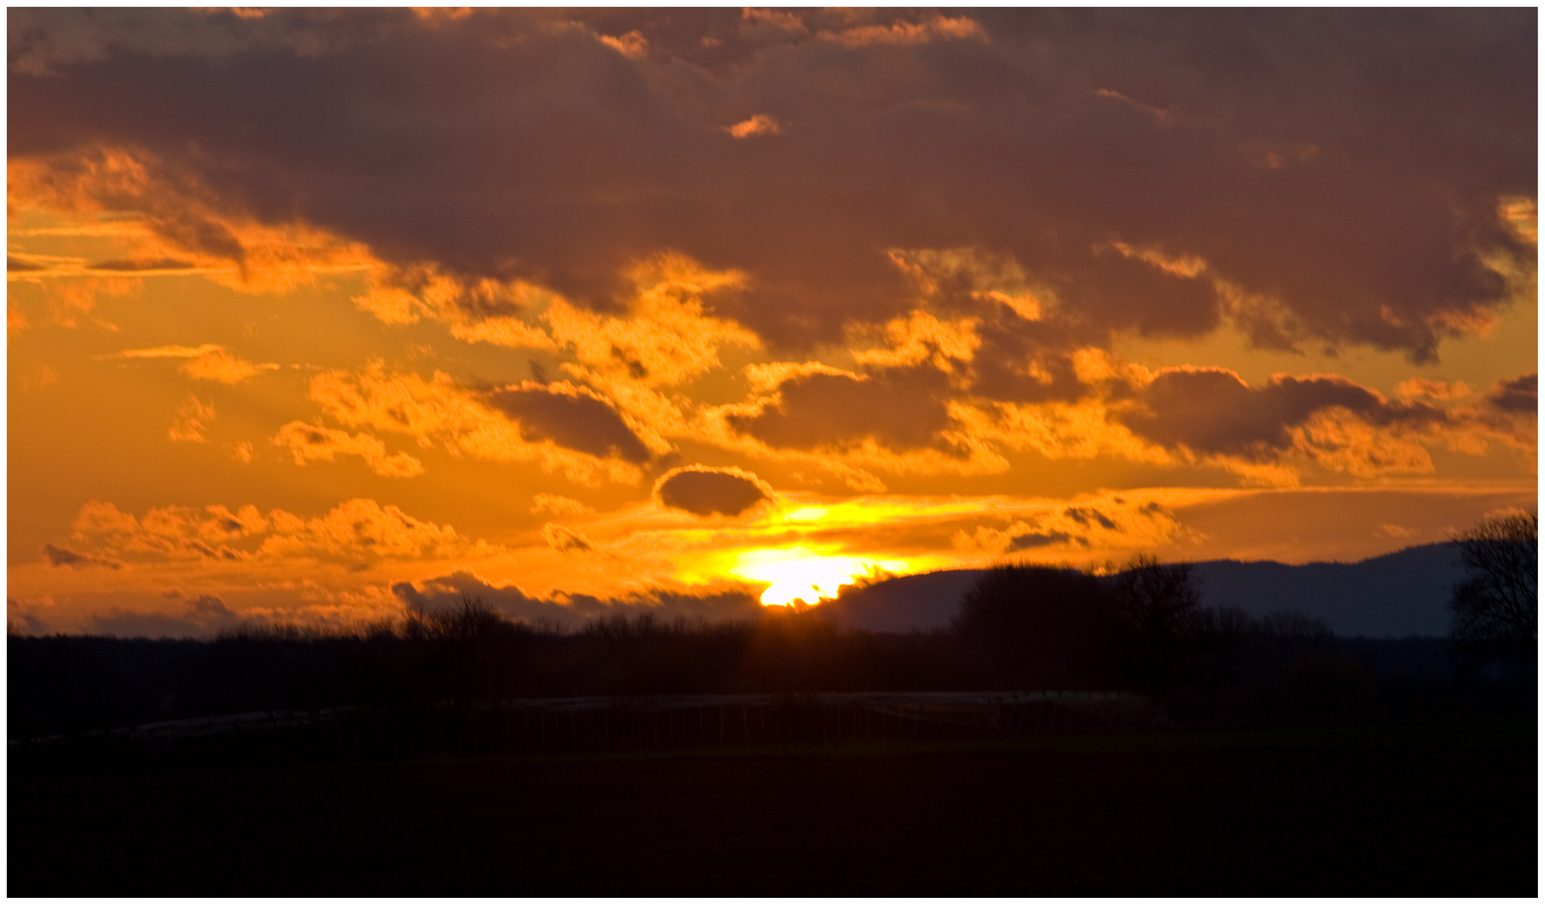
[
  {"x": 1392, "y": 596},
  {"x": 1396, "y": 595}
]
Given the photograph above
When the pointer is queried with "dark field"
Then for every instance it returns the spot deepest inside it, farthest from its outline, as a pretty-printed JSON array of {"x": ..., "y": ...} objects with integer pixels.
[{"x": 1369, "y": 811}]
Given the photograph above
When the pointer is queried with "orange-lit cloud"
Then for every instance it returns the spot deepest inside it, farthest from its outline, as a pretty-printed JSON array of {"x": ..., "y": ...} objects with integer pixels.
[
  {"x": 193, "y": 417},
  {"x": 555, "y": 504},
  {"x": 760, "y": 124},
  {"x": 935, "y": 29},
  {"x": 205, "y": 362},
  {"x": 358, "y": 530},
  {"x": 475, "y": 310},
  {"x": 562, "y": 426},
  {"x": 310, "y": 442}
]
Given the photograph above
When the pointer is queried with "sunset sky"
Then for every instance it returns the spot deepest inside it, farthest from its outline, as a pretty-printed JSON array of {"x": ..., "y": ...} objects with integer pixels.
[{"x": 314, "y": 315}]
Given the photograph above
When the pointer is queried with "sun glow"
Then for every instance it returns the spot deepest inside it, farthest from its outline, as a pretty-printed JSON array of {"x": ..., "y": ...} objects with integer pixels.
[
  {"x": 807, "y": 514},
  {"x": 798, "y": 573}
]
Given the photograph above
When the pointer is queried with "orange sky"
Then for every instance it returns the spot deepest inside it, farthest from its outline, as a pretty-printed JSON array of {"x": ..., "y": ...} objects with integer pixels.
[{"x": 315, "y": 315}]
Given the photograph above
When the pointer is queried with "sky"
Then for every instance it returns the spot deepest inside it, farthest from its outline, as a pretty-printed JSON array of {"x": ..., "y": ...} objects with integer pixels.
[{"x": 315, "y": 315}]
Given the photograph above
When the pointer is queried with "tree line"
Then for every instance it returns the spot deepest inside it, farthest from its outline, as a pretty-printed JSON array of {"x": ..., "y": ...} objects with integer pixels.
[{"x": 1142, "y": 628}]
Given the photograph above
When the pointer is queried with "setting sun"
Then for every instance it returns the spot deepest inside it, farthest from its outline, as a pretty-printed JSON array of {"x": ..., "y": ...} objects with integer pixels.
[{"x": 797, "y": 573}]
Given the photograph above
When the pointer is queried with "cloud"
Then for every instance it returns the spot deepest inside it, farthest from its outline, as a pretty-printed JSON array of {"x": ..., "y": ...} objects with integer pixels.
[
  {"x": 554, "y": 504},
  {"x": 362, "y": 529},
  {"x": 1211, "y": 410},
  {"x": 1520, "y": 395},
  {"x": 571, "y": 417},
  {"x": 310, "y": 442},
  {"x": 1148, "y": 181},
  {"x": 665, "y": 337},
  {"x": 1434, "y": 389},
  {"x": 475, "y": 310},
  {"x": 1085, "y": 515},
  {"x": 205, "y": 616},
  {"x": 353, "y": 532},
  {"x": 575, "y": 610},
  {"x": 142, "y": 266},
  {"x": 61, "y": 556},
  {"x": 565, "y": 540},
  {"x": 1034, "y": 540},
  {"x": 711, "y": 491},
  {"x": 1341, "y": 425},
  {"x": 1112, "y": 523},
  {"x": 164, "y": 352},
  {"x": 192, "y": 416},
  {"x": 937, "y": 28},
  {"x": 205, "y": 362},
  {"x": 901, "y": 409},
  {"x": 223, "y": 367},
  {"x": 760, "y": 124},
  {"x": 559, "y": 425}
]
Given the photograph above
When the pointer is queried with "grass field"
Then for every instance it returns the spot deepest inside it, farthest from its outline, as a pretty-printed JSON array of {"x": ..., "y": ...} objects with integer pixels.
[{"x": 1373, "y": 811}]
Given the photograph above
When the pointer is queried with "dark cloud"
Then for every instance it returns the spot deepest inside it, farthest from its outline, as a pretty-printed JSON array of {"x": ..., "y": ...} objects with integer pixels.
[
  {"x": 574, "y": 610},
  {"x": 1344, "y": 164},
  {"x": 18, "y": 622},
  {"x": 1012, "y": 368},
  {"x": 1521, "y": 395},
  {"x": 121, "y": 623},
  {"x": 710, "y": 491},
  {"x": 207, "y": 607},
  {"x": 17, "y": 265},
  {"x": 566, "y": 540},
  {"x": 1032, "y": 540},
  {"x": 139, "y": 266},
  {"x": 60, "y": 556},
  {"x": 205, "y": 616},
  {"x": 1211, "y": 410},
  {"x": 900, "y": 408},
  {"x": 1084, "y": 515},
  {"x": 576, "y": 420}
]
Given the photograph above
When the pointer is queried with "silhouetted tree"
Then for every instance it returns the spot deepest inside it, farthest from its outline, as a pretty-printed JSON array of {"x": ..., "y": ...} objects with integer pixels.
[
  {"x": 1495, "y": 609},
  {"x": 1158, "y": 604},
  {"x": 1039, "y": 626}
]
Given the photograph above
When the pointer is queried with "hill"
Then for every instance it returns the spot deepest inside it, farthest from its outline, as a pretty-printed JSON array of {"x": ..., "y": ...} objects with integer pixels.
[{"x": 1392, "y": 596}]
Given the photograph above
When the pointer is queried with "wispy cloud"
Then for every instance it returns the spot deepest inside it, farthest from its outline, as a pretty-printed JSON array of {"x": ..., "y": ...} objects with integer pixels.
[{"x": 203, "y": 362}]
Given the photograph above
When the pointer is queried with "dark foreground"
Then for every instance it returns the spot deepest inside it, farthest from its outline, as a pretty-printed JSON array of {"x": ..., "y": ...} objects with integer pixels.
[{"x": 1405, "y": 811}]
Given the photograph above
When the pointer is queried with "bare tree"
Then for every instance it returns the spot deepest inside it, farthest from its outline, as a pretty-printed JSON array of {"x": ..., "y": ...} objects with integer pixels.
[
  {"x": 1159, "y": 606},
  {"x": 1156, "y": 598},
  {"x": 1495, "y": 608}
]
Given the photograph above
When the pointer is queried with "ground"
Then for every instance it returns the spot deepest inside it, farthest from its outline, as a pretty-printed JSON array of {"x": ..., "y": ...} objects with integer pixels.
[{"x": 1314, "y": 812}]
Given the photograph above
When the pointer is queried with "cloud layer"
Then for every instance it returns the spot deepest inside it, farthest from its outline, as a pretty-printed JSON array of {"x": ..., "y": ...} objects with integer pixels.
[
  {"x": 644, "y": 297},
  {"x": 1155, "y": 171}
]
